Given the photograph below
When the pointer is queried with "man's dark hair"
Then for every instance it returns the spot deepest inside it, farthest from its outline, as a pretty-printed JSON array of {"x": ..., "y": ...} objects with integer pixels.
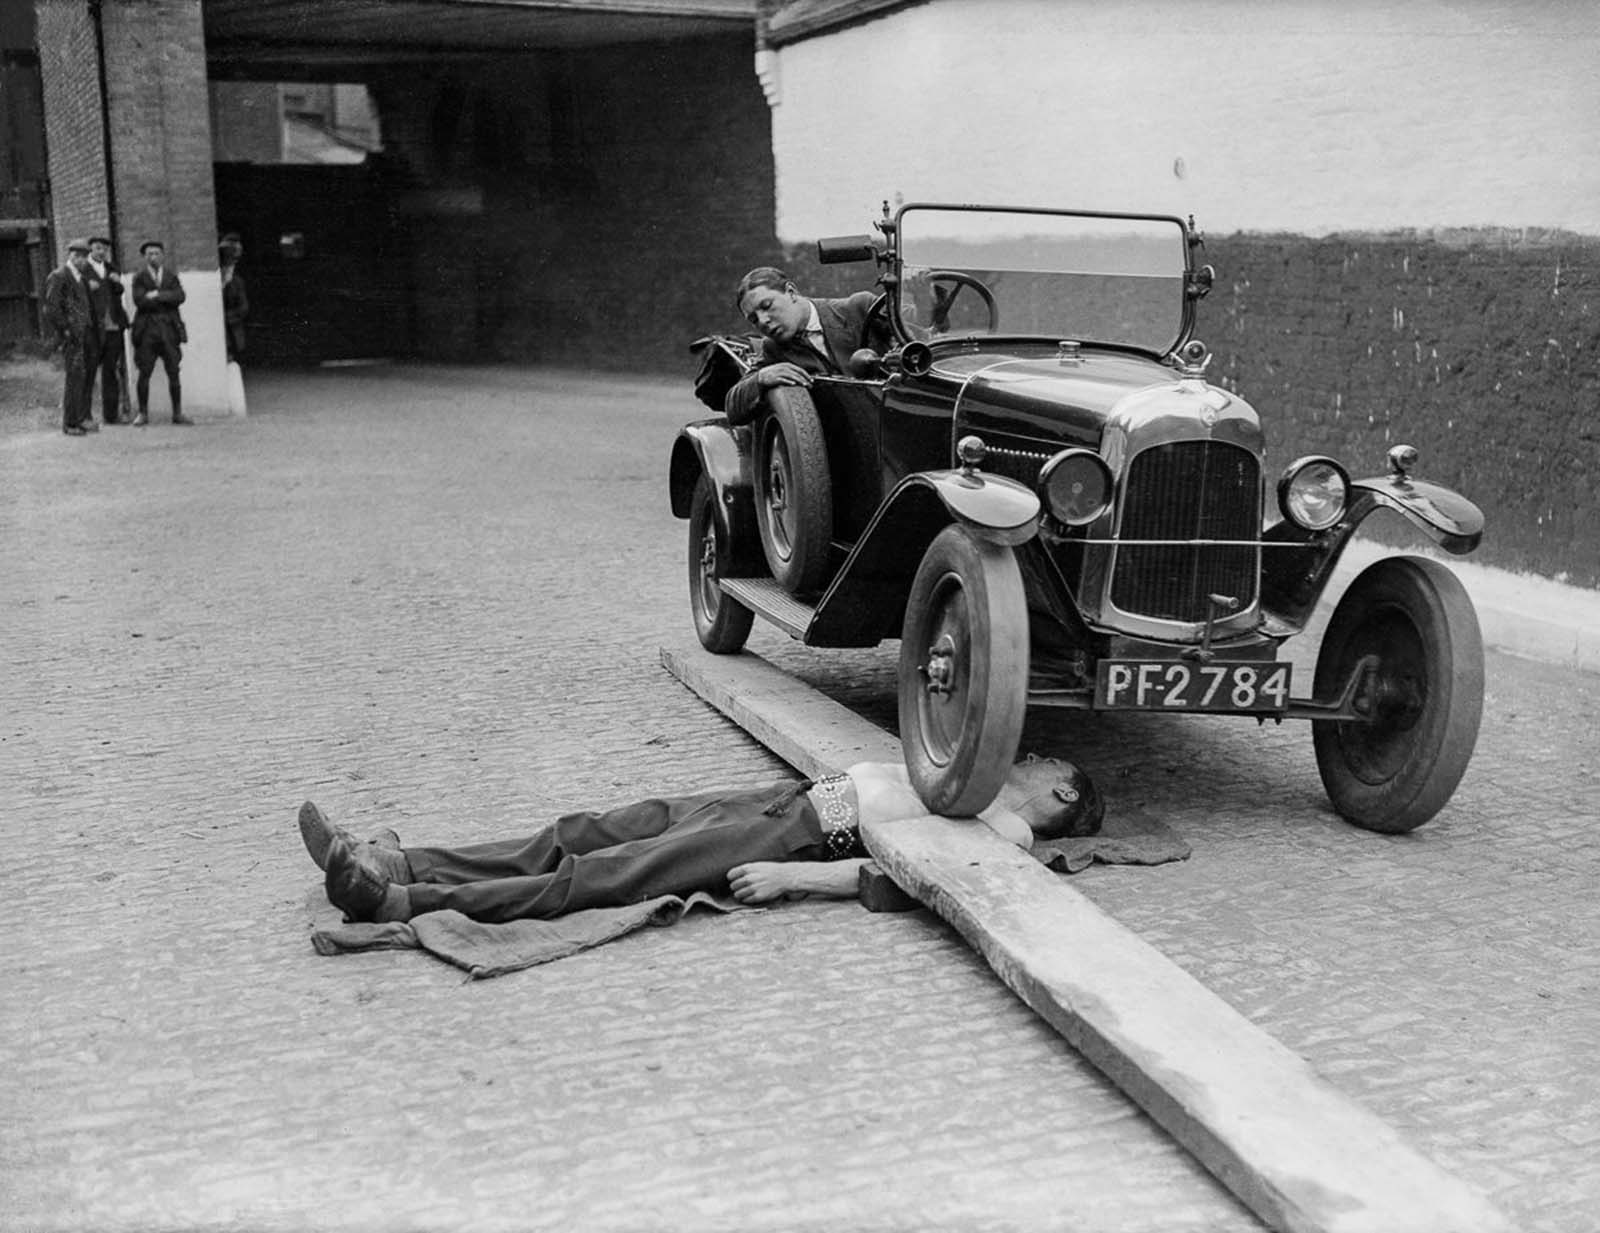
[
  {"x": 762, "y": 276},
  {"x": 1070, "y": 807}
]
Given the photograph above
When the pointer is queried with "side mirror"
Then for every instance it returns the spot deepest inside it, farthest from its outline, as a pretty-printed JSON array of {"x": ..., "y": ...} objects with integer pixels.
[{"x": 837, "y": 249}]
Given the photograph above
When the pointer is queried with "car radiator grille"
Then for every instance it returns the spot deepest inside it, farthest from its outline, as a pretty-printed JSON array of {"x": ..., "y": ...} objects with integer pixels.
[{"x": 1188, "y": 490}]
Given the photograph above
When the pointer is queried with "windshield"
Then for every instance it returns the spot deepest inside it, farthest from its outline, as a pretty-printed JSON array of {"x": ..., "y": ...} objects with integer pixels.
[{"x": 966, "y": 272}]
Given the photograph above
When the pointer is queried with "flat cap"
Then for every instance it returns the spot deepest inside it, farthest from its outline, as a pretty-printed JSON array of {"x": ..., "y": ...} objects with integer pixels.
[
  {"x": 77, "y": 246},
  {"x": 149, "y": 244}
]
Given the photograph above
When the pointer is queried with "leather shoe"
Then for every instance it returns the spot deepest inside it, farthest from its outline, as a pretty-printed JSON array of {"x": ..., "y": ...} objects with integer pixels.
[
  {"x": 355, "y": 888},
  {"x": 181, "y": 419},
  {"x": 317, "y": 833},
  {"x": 72, "y": 430},
  {"x": 141, "y": 420}
]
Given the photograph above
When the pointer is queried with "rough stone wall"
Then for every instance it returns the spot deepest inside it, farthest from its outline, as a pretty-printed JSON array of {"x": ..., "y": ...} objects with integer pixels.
[{"x": 1483, "y": 351}]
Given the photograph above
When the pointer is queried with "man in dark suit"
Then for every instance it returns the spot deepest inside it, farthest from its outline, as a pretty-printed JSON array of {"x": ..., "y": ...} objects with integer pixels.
[
  {"x": 68, "y": 313},
  {"x": 802, "y": 337},
  {"x": 158, "y": 331},
  {"x": 110, "y": 320}
]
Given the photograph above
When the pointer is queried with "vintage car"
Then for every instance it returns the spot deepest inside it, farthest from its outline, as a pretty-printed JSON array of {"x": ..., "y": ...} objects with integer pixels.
[{"x": 1034, "y": 487}]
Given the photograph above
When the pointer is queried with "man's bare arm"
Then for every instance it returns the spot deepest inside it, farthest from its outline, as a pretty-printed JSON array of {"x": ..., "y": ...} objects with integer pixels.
[{"x": 765, "y": 881}]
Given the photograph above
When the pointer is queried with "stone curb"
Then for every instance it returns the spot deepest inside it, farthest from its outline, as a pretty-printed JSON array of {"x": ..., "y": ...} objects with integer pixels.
[{"x": 1521, "y": 614}]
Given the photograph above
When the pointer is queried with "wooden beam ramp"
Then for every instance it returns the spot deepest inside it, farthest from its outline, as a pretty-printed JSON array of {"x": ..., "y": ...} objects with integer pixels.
[{"x": 1300, "y": 1154}]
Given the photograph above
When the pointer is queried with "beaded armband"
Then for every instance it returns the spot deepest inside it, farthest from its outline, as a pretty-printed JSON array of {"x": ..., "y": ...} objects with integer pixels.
[{"x": 831, "y": 796}]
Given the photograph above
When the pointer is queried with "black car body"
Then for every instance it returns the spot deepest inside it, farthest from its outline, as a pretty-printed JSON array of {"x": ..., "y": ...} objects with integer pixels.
[{"x": 1036, "y": 488}]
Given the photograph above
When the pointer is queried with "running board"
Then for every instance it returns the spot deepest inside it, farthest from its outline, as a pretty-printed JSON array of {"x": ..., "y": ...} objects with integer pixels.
[{"x": 770, "y": 602}]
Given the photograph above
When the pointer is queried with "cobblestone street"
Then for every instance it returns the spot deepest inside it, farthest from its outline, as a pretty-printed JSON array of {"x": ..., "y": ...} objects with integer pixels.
[{"x": 433, "y": 599}]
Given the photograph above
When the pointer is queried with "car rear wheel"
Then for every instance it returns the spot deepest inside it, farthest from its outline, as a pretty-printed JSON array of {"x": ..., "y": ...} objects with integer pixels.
[
  {"x": 722, "y": 622},
  {"x": 1413, "y": 621},
  {"x": 794, "y": 491},
  {"x": 963, "y": 672}
]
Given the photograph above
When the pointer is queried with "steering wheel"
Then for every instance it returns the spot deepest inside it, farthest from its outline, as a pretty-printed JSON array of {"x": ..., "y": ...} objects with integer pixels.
[{"x": 944, "y": 299}]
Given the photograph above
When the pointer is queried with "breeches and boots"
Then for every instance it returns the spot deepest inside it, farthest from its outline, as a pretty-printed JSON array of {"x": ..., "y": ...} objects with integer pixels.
[
  {"x": 663, "y": 846},
  {"x": 151, "y": 348}
]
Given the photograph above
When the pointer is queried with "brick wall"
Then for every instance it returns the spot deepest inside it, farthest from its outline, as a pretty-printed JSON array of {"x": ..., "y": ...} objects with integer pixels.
[
  {"x": 589, "y": 209},
  {"x": 74, "y": 135},
  {"x": 160, "y": 130},
  {"x": 246, "y": 121},
  {"x": 155, "y": 72}
]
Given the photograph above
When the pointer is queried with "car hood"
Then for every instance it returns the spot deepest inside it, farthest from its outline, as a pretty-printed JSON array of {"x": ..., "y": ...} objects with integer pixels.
[{"x": 1048, "y": 398}]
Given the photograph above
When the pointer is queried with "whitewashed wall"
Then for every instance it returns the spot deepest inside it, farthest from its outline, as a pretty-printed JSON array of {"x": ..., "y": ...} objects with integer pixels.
[{"x": 1302, "y": 116}]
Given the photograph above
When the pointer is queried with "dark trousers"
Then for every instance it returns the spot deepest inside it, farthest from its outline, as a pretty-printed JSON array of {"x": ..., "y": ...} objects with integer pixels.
[
  {"x": 75, "y": 357},
  {"x": 664, "y": 846},
  {"x": 108, "y": 360},
  {"x": 148, "y": 353}
]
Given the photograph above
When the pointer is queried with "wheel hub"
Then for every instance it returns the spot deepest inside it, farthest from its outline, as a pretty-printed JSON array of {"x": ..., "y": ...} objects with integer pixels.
[{"x": 940, "y": 669}]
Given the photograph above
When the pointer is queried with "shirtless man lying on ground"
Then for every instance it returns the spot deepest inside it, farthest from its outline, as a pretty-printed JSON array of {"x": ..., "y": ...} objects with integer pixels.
[{"x": 786, "y": 839}]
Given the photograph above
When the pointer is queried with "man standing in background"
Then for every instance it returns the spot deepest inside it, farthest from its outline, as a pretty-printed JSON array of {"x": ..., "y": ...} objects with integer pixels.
[
  {"x": 158, "y": 330},
  {"x": 235, "y": 302},
  {"x": 68, "y": 313},
  {"x": 110, "y": 319}
]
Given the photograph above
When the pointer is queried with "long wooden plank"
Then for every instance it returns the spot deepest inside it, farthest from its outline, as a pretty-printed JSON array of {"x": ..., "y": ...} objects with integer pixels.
[
  {"x": 809, "y": 731},
  {"x": 1300, "y": 1154}
]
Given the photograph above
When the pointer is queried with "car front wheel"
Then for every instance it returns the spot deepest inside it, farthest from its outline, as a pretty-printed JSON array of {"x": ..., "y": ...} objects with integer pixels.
[
  {"x": 963, "y": 672},
  {"x": 1412, "y": 623},
  {"x": 794, "y": 491},
  {"x": 722, "y": 622}
]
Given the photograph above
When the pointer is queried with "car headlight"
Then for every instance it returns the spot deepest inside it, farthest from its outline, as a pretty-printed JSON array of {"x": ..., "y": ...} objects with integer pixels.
[
  {"x": 1076, "y": 486},
  {"x": 1314, "y": 492}
]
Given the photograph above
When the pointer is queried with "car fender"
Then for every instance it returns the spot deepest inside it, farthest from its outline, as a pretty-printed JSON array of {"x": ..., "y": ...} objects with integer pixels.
[
  {"x": 995, "y": 508},
  {"x": 722, "y": 454},
  {"x": 1441, "y": 513},
  {"x": 866, "y": 600},
  {"x": 1297, "y": 564}
]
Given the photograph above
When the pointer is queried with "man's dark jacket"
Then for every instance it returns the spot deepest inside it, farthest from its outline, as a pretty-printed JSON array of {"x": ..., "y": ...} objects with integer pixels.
[
  {"x": 105, "y": 297},
  {"x": 156, "y": 323},
  {"x": 66, "y": 306},
  {"x": 843, "y": 330}
]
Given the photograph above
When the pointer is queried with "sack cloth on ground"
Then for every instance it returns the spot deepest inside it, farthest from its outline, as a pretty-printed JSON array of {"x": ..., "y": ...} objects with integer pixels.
[
  {"x": 1127, "y": 837},
  {"x": 484, "y": 950}
]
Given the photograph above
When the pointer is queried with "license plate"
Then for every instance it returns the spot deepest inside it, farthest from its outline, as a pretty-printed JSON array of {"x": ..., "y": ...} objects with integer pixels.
[{"x": 1182, "y": 685}]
